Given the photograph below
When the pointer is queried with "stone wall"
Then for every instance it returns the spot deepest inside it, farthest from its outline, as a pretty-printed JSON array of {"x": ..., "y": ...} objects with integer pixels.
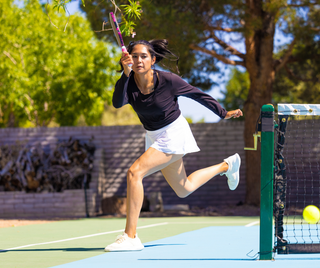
[
  {"x": 70, "y": 203},
  {"x": 117, "y": 149}
]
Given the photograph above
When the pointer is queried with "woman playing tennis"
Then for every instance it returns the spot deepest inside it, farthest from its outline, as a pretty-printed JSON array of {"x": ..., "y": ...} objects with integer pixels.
[{"x": 154, "y": 96}]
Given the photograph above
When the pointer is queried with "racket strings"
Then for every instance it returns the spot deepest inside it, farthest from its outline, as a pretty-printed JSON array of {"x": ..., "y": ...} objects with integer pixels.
[{"x": 115, "y": 31}]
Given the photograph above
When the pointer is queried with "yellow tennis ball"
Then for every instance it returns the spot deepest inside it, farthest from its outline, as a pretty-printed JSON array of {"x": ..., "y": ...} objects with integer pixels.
[{"x": 311, "y": 214}]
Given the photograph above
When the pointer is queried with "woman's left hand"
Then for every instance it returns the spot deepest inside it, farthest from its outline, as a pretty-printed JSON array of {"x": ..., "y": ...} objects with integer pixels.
[{"x": 235, "y": 114}]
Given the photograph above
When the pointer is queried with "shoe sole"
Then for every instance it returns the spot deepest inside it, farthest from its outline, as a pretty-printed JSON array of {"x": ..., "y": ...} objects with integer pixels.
[{"x": 239, "y": 158}]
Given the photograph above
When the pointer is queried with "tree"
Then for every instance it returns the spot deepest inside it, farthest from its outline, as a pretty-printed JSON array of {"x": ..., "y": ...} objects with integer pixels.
[
  {"x": 206, "y": 32},
  {"x": 237, "y": 89},
  {"x": 123, "y": 116},
  {"x": 49, "y": 75},
  {"x": 297, "y": 82}
]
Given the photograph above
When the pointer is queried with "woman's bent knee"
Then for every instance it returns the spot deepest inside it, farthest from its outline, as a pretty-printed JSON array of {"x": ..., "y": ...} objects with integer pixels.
[
  {"x": 183, "y": 194},
  {"x": 134, "y": 175}
]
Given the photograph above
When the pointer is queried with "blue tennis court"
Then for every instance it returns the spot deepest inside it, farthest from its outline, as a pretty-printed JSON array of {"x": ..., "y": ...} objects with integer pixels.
[
  {"x": 207, "y": 247},
  {"x": 169, "y": 242}
]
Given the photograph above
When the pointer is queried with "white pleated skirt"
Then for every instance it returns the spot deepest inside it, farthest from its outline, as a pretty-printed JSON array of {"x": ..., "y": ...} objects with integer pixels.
[{"x": 175, "y": 138}]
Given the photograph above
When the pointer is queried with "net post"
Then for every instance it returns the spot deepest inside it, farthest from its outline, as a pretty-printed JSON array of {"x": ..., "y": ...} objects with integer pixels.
[{"x": 267, "y": 175}]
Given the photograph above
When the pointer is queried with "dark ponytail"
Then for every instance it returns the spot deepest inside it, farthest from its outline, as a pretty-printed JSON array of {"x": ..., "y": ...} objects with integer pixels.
[{"x": 157, "y": 48}]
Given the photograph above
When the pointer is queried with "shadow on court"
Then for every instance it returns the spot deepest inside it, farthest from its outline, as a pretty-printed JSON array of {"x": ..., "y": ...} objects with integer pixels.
[
  {"x": 79, "y": 249},
  {"x": 162, "y": 245}
]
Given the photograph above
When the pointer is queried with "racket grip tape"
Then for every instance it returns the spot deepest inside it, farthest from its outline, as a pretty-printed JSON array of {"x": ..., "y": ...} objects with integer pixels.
[{"x": 124, "y": 50}]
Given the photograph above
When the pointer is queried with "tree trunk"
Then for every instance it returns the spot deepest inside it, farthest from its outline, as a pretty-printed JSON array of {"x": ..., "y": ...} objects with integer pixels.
[
  {"x": 259, "y": 64},
  {"x": 11, "y": 120}
]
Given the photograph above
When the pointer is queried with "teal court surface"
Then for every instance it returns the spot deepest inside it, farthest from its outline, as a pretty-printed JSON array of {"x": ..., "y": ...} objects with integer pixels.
[{"x": 169, "y": 242}]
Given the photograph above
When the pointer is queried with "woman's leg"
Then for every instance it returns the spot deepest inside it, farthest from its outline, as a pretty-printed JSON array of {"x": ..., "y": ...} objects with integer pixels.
[
  {"x": 150, "y": 162},
  {"x": 184, "y": 185}
]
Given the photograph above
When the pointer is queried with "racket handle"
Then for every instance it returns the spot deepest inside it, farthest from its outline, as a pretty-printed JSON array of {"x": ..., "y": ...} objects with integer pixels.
[{"x": 124, "y": 50}]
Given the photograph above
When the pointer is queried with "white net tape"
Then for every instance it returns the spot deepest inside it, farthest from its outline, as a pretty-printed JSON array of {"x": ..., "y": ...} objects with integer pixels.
[{"x": 298, "y": 109}]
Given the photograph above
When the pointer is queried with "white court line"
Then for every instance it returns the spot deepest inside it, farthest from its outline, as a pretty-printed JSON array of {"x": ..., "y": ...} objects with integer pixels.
[
  {"x": 252, "y": 223},
  {"x": 80, "y": 237},
  {"x": 196, "y": 222},
  {"x": 201, "y": 222},
  {"x": 215, "y": 223}
]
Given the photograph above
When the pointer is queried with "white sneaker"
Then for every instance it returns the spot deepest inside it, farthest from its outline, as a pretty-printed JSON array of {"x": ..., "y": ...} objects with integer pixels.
[
  {"x": 125, "y": 243},
  {"x": 234, "y": 162}
]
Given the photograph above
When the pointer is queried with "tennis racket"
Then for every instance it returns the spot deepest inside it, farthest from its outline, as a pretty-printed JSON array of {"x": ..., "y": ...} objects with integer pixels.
[{"x": 117, "y": 32}]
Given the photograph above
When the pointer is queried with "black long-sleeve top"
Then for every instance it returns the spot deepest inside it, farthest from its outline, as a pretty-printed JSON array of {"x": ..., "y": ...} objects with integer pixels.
[{"x": 160, "y": 108}]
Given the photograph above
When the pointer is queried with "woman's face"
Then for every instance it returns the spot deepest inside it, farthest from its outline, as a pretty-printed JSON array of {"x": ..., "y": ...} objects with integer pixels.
[{"x": 142, "y": 60}]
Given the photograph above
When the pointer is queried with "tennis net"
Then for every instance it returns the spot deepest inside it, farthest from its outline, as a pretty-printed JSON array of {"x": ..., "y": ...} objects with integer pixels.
[{"x": 296, "y": 178}]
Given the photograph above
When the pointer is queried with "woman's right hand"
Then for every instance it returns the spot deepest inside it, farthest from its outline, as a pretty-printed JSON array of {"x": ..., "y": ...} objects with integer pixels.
[
  {"x": 126, "y": 60},
  {"x": 234, "y": 114}
]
